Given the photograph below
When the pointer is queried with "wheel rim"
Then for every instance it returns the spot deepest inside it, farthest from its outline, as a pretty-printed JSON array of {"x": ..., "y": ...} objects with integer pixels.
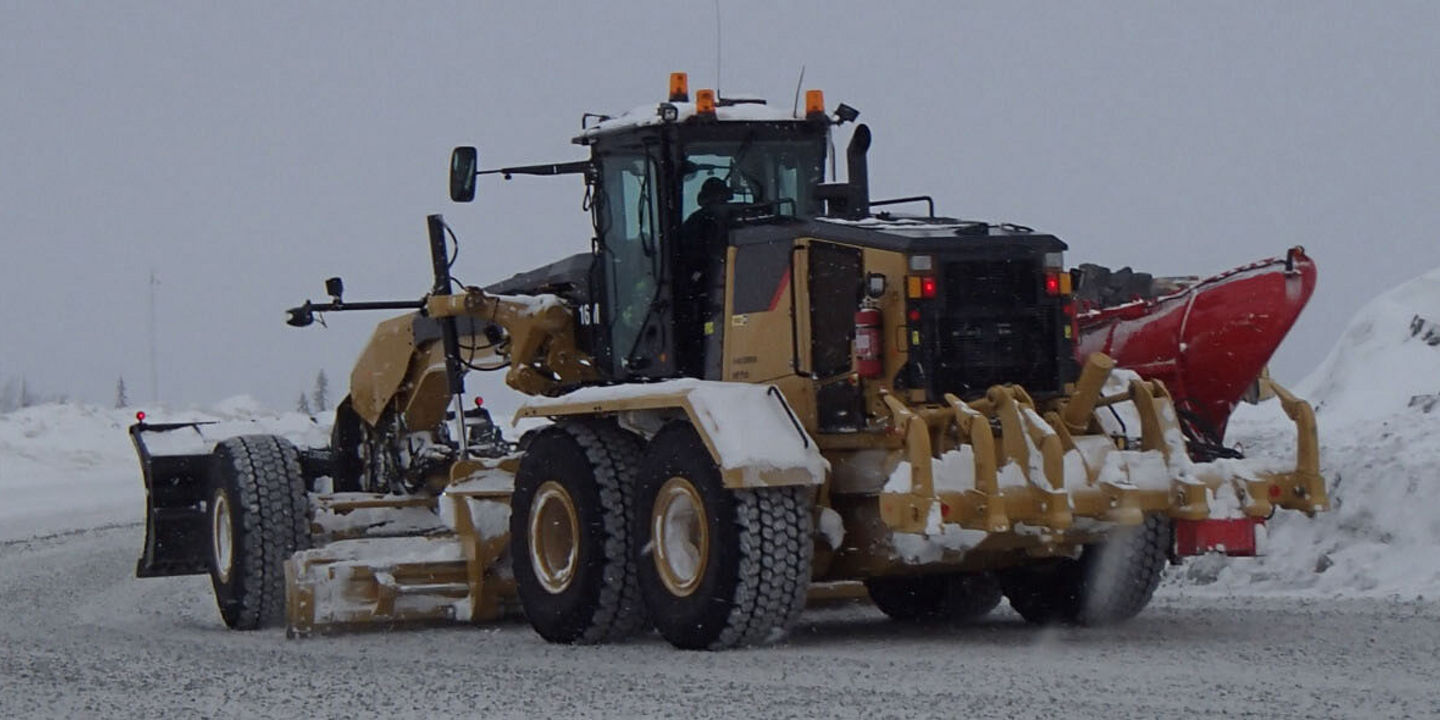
[
  {"x": 222, "y": 536},
  {"x": 681, "y": 535},
  {"x": 554, "y": 537}
]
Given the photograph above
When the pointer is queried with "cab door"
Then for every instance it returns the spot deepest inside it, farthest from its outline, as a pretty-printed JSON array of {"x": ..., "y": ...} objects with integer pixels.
[{"x": 635, "y": 304}]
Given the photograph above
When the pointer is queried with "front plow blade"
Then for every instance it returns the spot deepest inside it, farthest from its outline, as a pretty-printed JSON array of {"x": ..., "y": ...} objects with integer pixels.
[{"x": 177, "y": 537}]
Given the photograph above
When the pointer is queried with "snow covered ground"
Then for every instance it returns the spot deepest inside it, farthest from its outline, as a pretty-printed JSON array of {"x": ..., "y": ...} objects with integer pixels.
[
  {"x": 71, "y": 467},
  {"x": 82, "y": 638}
]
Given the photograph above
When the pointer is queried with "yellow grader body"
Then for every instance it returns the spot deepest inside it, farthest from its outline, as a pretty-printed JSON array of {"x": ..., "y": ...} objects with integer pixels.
[
  {"x": 756, "y": 390},
  {"x": 977, "y": 486}
]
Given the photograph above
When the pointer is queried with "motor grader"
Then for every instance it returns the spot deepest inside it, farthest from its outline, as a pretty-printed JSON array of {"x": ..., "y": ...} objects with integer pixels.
[{"x": 755, "y": 389}]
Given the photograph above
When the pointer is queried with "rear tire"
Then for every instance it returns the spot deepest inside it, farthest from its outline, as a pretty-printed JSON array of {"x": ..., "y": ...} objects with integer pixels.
[
  {"x": 1110, "y": 582},
  {"x": 950, "y": 597},
  {"x": 258, "y": 518},
  {"x": 570, "y": 533},
  {"x": 718, "y": 568}
]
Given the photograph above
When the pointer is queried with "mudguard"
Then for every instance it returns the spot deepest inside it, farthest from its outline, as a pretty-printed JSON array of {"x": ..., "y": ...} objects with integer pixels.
[{"x": 760, "y": 442}]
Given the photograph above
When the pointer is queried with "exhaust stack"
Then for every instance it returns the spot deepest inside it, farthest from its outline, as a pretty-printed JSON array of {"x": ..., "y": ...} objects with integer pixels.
[{"x": 859, "y": 172}]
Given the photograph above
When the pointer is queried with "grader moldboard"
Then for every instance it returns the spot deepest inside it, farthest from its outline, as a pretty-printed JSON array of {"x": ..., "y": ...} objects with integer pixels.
[{"x": 758, "y": 391}]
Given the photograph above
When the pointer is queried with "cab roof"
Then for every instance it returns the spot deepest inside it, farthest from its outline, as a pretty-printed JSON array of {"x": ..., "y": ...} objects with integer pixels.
[{"x": 728, "y": 110}]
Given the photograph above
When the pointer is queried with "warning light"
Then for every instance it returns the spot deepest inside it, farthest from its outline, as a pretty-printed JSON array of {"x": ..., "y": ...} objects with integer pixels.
[
  {"x": 814, "y": 103},
  {"x": 679, "y": 87},
  {"x": 914, "y": 315},
  {"x": 1052, "y": 283},
  {"x": 140, "y": 416},
  {"x": 479, "y": 401},
  {"x": 705, "y": 102},
  {"x": 927, "y": 287}
]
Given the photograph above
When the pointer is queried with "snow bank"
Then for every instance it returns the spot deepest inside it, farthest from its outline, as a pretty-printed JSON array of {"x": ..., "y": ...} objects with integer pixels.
[
  {"x": 1379, "y": 452},
  {"x": 1389, "y": 354},
  {"x": 68, "y": 467}
]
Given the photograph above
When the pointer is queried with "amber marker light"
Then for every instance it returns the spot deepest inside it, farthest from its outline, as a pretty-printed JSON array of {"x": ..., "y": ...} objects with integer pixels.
[
  {"x": 679, "y": 87},
  {"x": 814, "y": 102},
  {"x": 705, "y": 102}
]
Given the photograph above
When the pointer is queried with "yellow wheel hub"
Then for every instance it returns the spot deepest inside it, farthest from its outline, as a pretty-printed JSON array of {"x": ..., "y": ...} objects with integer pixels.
[
  {"x": 554, "y": 537},
  {"x": 681, "y": 534},
  {"x": 222, "y": 535}
]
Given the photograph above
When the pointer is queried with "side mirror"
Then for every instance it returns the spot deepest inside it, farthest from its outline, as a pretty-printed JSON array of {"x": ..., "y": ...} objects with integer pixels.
[
  {"x": 335, "y": 287},
  {"x": 463, "y": 164}
]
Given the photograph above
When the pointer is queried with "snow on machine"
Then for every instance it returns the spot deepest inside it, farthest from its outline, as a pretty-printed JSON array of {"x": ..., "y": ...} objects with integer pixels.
[{"x": 758, "y": 390}]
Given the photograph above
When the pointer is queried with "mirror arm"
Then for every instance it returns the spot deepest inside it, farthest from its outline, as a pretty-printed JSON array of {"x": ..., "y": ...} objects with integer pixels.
[{"x": 570, "y": 168}]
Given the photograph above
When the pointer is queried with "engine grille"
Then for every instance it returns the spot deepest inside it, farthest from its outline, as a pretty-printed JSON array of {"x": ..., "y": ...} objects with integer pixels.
[{"x": 996, "y": 327}]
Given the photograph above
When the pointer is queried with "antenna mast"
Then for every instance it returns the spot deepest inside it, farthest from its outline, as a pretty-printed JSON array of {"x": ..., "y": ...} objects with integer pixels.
[
  {"x": 795, "y": 109},
  {"x": 154, "y": 373},
  {"x": 717, "y": 50}
]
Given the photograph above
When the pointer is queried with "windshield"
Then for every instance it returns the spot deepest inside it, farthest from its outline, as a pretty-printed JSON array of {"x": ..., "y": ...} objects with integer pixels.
[{"x": 782, "y": 173}]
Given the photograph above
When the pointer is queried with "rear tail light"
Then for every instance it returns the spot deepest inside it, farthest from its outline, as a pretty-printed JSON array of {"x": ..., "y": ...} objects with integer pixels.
[
  {"x": 920, "y": 286},
  {"x": 1052, "y": 283}
]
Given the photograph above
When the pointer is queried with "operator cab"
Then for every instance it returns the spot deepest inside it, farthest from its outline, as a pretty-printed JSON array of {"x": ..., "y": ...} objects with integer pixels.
[
  {"x": 669, "y": 185},
  {"x": 666, "y": 185}
]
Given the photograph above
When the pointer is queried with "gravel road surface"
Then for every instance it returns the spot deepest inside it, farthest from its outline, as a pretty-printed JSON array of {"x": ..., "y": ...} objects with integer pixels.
[{"x": 81, "y": 637}]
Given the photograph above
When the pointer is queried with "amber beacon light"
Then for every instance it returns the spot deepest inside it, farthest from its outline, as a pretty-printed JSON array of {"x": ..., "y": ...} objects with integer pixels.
[{"x": 679, "y": 87}]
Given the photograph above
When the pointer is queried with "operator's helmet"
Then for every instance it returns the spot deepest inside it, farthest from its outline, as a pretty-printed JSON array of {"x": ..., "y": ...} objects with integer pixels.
[{"x": 713, "y": 192}]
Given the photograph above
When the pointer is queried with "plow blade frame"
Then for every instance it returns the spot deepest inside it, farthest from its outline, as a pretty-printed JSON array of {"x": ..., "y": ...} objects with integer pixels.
[
  {"x": 176, "y": 532},
  {"x": 388, "y": 580}
]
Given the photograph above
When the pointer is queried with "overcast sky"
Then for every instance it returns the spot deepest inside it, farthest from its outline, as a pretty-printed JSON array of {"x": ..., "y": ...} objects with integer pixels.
[{"x": 244, "y": 152}]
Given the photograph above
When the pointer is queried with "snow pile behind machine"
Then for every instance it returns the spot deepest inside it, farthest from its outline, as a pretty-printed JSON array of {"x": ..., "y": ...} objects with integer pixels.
[{"x": 758, "y": 389}]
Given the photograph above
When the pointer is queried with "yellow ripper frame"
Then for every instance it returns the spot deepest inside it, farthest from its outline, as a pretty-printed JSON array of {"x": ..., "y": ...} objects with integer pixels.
[{"x": 1041, "y": 444}]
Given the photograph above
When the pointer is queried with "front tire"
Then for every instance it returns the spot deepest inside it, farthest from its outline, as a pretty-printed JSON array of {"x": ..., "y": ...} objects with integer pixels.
[
  {"x": 259, "y": 517},
  {"x": 570, "y": 533},
  {"x": 718, "y": 568}
]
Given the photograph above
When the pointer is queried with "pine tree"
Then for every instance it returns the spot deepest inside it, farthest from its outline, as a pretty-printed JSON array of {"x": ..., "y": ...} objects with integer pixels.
[
  {"x": 26, "y": 399},
  {"x": 321, "y": 395},
  {"x": 304, "y": 404},
  {"x": 121, "y": 399},
  {"x": 10, "y": 395}
]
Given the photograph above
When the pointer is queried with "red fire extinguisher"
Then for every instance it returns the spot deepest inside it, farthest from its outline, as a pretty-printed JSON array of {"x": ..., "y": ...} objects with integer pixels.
[{"x": 869, "y": 343}]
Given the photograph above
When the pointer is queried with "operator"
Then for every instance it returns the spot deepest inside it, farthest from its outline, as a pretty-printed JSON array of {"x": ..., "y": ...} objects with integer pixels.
[
  {"x": 703, "y": 242},
  {"x": 704, "y": 224}
]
